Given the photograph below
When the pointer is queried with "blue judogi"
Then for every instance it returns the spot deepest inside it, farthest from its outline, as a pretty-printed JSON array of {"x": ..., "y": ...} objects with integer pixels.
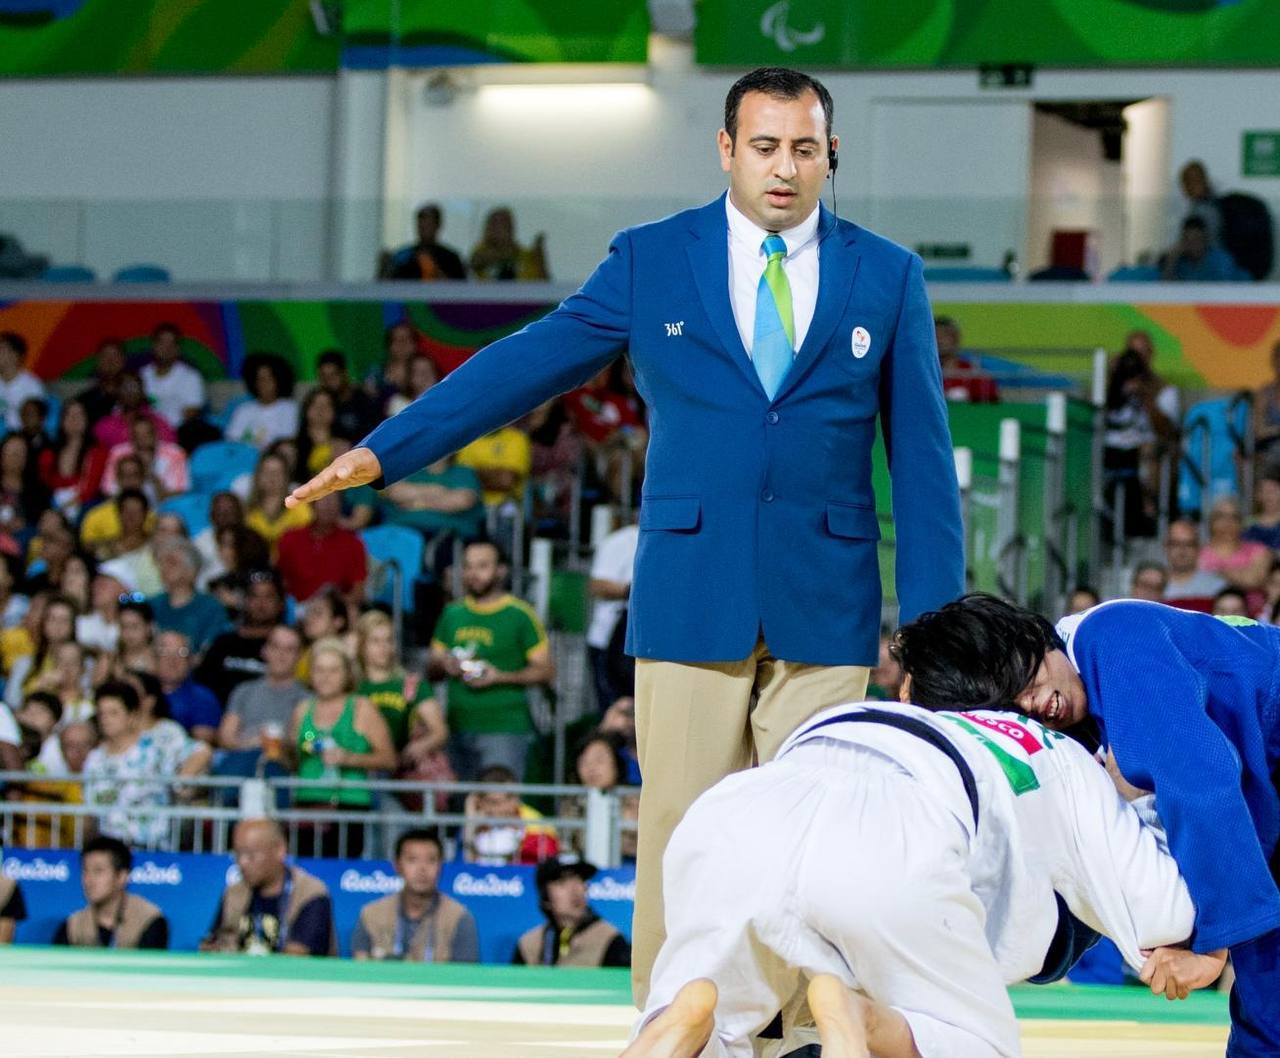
[
  {"x": 1190, "y": 704},
  {"x": 758, "y": 515}
]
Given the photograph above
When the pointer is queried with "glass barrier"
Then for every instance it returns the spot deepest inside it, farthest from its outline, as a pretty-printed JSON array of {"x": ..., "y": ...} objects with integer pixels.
[{"x": 310, "y": 241}]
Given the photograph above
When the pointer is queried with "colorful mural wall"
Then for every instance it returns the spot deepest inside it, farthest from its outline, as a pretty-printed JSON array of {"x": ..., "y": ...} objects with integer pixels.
[{"x": 1198, "y": 346}]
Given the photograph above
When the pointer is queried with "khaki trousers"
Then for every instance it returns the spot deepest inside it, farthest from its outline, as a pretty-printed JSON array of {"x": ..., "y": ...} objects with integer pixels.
[{"x": 695, "y": 724}]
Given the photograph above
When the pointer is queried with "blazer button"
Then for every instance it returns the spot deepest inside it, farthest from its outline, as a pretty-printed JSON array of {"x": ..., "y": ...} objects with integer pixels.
[
  {"x": 767, "y": 496},
  {"x": 771, "y": 418}
]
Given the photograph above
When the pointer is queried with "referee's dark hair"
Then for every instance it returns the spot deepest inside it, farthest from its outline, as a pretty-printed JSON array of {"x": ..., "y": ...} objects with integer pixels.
[
  {"x": 978, "y": 652},
  {"x": 780, "y": 83}
]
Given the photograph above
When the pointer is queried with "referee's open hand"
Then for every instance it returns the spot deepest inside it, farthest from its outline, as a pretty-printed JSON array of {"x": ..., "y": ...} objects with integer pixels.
[{"x": 350, "y": 470}]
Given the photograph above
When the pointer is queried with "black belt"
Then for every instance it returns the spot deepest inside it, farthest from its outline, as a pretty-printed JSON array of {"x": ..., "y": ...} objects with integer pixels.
[{"x": 912, "y": 726}]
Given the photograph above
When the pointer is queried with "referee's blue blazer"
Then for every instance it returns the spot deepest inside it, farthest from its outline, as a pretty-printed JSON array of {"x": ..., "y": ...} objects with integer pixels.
[{"x": 757, "y": 516}]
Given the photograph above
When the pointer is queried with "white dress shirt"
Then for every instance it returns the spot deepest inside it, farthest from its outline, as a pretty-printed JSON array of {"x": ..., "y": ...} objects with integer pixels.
[{"x": 746, "y": 266}]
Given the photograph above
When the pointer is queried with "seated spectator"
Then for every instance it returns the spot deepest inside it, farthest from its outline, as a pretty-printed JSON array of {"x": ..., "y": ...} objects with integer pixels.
[
  {"x": 498, "y": 256},
  {"x": 413, "y": 716},
  {"x": 400, "y": 345},
  {"x": 620, "y": 719},
  {"x": 1182, "y": 557},
  {"x": 421, "y": 374},
  {"x": 491, "y": 646},
  {"x": 1231, "y": 602},
  {"x": 315, "y": 438},
  {"x": 129, "y": 775},
  {"x": 1165, "y": 405},
  {"x": 34, "y": 414},
  {"x": 67, "y": 682},
  {"x": 1082, "y": 598},
  {"x": 1266, "y": 417},
  {"x": 268, "y": 702},
  {"x": 236, "y": 657},
  {"x": 355, "y": 412},
  {"x": 441, "y": 499},
  {"x": 164, "y": 464},
  {"x": 886, "y": 677},
  {"x": 323, "y": 554},
  {"x": 23, "y": 497},
  {"x": 265, "y": 512},
  {"x": 13, "y": 909},
  {"x": 100, "y": 528},
  {"x": 61, "y": 763},
  {"x": 325, "y": 616},
  {"x": 1196, "y": 259},
  {"x": 573, "y": 935},
  {"x": 174, "y": 387},
  {"x": 20, "y": 640},
  {"x": 180, "y": 608},
  {"x": 488, "y": 837},
  {"x": 962, "y": 379},
  {"x": 612, "y": 566},
  {"x": 419, "y": 923},
  {"x": 1202, "y": 200},
  {"x": 130, "y": 559},
  {"x": 16, "y": 382},
  {"x": 1149, "y": 582},
  {"x": 41, "y": 715},
  {"x": 226, "y": 509},
  {"x": 275, "y": 907},
  {"x": 428, "y": 258},
  {"x": 1242, "y": 563},
  {"x": 113, "y": 429},
  {"x": 610, "y": 420},
  {"x": 1265, "y": 527},
  {"x": 114, "y": 917},
  {"x": 502, "y": 461},
  {"x": 57, "y": 626},
  {"x": 136, "y": 648},
  {"x": 11, "y": 758},
  {"x": 338, "y": 735},
  {"x": 155, "y": 720},
  {"x": 52, "y": 549},
  {"x": 190, "y": 704},
  {"x": 241, "y": 552},
  {"x": 99, "y": 628},
  {"x": 599, "y": 765},
  {"x": 100, "y": 399},
  {"x": 272, "y": 414},
  {"x": 556, "y": 452}
]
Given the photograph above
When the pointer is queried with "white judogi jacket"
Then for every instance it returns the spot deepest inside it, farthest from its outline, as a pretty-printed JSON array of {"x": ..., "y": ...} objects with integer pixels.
[{"x": 1049, "y": 819}]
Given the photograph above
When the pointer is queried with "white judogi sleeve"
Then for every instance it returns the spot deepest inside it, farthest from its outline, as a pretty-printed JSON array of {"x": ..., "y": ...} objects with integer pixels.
[{"x": 1116, "y": 875}]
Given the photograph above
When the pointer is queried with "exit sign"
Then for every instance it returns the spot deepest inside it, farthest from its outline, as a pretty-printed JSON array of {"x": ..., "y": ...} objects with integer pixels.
[{"x": 1261, "y": 153}]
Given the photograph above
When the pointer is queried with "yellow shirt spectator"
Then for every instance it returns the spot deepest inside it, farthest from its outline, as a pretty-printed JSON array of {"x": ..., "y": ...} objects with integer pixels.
[
  {"x": 502, "y": 460},
  {"x": 101, "y": 527},
  {"x": 272, "y": 529}
]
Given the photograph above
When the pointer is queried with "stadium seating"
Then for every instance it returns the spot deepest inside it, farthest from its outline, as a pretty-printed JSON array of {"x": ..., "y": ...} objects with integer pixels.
[
  {"x": 142, "y": 273},
  {"x": 399, "y": 546},
  {"x": 216, "y": 465},
  {"x": 191, "y": 507},
  {"x": 68, "y": 274}
]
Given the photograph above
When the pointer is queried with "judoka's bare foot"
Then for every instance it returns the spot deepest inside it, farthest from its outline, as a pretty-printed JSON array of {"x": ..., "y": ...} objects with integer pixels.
[
  {"x": 841, "y": 1016},
  {"x": 683, "y": 1029}
]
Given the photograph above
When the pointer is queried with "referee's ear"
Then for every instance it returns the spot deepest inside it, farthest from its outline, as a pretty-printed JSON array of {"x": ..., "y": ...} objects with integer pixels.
[{"x": 904, "y": 691}]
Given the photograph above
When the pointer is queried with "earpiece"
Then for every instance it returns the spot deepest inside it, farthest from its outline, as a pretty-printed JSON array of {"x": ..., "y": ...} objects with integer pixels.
[{"x": 833, "y": 155}]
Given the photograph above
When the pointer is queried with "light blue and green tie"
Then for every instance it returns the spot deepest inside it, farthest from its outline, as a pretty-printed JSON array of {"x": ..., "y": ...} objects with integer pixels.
[{"x": 774, "y": 345}]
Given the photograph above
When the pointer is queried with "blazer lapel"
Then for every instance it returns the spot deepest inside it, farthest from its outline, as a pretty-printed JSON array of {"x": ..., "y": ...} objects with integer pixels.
[
  {"x": 837, "y": 269},
  {"x": 709, "y": 260}
]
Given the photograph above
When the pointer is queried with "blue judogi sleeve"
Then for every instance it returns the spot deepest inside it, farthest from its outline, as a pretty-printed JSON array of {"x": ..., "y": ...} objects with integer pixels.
[
  {"x": 514, "y": 375},
  {"x": 1154, "y": 706}
]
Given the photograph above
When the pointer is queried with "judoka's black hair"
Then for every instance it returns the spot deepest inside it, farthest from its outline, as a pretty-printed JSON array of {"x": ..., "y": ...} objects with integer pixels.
[{"x": 978, "y": 652}]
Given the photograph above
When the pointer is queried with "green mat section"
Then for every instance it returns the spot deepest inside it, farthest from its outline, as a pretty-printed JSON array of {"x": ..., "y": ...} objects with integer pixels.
[{"x": 231, "y": 974}]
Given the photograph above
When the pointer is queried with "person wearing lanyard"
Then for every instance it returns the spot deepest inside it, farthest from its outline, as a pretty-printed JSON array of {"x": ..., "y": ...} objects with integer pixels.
[
  {"x": 114, "y": 917},
  {"x": 274, "y": 907},
  {"x": 573, "y": 934},
  {"x": 420, "y": 923}
]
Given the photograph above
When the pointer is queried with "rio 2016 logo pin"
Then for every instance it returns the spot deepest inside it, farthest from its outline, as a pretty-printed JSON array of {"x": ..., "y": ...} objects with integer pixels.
[{"x": 861, "y": 342}]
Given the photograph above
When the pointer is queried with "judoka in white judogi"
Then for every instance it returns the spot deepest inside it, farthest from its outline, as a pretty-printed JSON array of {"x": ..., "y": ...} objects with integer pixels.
[{"x": 855, "y": 853}]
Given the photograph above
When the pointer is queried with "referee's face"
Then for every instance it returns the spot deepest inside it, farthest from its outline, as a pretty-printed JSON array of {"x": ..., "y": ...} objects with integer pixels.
[{"x": 778, "y": 159}]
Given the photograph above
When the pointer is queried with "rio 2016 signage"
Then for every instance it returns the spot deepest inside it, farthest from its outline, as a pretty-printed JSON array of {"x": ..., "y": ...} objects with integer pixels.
[{"x": 966, "y": 33}]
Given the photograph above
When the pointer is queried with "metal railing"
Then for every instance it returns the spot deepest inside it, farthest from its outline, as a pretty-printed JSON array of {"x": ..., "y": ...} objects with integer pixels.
[{"x": 203, "y": 810}]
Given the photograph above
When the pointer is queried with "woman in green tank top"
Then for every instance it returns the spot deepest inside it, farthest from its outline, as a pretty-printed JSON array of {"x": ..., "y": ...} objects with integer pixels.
[{"x": 338, "y": 735}]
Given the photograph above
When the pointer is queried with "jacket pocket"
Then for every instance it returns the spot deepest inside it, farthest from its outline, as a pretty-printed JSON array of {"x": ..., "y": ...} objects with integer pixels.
[
  {"x": 672, "y": 513},
  {"x": 853, "y": 522}
]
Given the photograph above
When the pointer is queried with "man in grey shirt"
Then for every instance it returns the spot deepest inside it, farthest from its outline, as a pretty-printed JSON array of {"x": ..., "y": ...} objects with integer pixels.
[
  {"x": 1182, "y": 553},
  {"x": 268, "y": 700}
]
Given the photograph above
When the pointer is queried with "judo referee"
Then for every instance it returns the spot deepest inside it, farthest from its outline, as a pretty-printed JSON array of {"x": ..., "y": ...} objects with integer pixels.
[
  {"x": 1190, "y": 707},
  {"x": 920, "y": 858}
]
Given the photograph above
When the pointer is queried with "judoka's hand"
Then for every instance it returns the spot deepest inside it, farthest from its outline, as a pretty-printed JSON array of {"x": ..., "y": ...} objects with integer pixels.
[
  {"x": 351, "y": 469},
  {"x": 1176, "y": 972}
]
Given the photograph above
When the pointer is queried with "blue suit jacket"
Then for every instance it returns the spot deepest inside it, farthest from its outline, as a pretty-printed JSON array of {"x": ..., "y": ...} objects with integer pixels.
[{"x": 756, "y": 515}]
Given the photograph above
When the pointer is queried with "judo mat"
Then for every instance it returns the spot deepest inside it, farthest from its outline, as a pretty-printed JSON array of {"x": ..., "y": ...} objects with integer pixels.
[{"x": 91, "y": 1003}]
